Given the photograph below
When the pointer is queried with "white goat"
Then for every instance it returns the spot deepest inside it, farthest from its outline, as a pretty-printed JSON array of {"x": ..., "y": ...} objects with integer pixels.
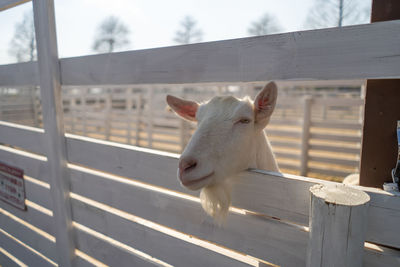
[{"x": 229, "y": 139}]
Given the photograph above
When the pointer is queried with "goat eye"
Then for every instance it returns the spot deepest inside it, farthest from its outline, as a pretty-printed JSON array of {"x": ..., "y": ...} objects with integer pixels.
[{"x": 244, "y": 120}]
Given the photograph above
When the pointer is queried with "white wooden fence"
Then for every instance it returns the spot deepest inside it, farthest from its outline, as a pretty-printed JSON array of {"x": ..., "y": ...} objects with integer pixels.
[
  {"x": 93, "y": 202},
  {"x": 305, "y": 143}
]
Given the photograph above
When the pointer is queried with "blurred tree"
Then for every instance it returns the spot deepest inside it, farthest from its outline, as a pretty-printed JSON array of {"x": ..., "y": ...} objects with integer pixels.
[
  {"x": 337, "y": 13},
  {"x": 188, "y": 32},
  {"x": 23, "y": 43},
  {"x": 267, "y": 24},
  {"x": 111, "y": 35}
]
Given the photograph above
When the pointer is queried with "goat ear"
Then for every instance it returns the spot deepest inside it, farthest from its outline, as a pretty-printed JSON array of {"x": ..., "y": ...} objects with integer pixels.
[
  {"x": 264, "y": 103},
  {"x": 184, "y": 108}
]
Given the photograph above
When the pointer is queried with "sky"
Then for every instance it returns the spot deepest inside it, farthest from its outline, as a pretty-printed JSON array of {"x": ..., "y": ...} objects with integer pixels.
[{"x": 154, "y": 23}]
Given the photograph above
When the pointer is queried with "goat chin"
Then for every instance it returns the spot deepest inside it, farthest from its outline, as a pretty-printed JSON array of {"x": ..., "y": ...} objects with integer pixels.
[{"x": 216, "y": 199}]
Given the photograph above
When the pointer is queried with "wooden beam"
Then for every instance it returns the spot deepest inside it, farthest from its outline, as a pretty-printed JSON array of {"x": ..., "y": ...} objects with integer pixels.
[
  {"x": 6, "y": 4},
  {"x": 50, "y": 89},
  {"x": 382, "y": 102},
  {"x": 354, "y": 52}
]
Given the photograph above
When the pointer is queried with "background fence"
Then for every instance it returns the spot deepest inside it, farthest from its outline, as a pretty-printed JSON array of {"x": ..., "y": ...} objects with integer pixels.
[{"x": 315, "y": 129}]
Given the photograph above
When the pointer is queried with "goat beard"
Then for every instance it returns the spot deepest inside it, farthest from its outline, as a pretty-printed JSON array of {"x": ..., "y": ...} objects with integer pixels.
[{"x": 216, "y": 200}]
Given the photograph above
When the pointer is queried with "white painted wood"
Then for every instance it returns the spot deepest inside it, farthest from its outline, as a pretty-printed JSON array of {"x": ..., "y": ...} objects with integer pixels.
[
  {"x": 337, "y": 125},
  {"x": 346, "y": 162},
  {"x": 293, "y": 134},
  {"x": 335, "y": 137},
  {"x": 305, "y": 135},
  {"x": 377, "y": 256},
  {"x": 28, "y": 138},
  {"x": 50, "y": 88},
  {"x": 164, "y": 247},
  {"x": 343, "y": 102},
  {"x": 35, "y": 167},
  {"x": 264, "y": 238},
  {"x": 32, "y": 216},
  {"x": 258, "y": 191},
  {"x": 79, "y": 262},
  {"x": 22, "y": 253},
  {"x": 138, "y": 118},
  {"x": 338, "y": 222},
  {"x": 349, "y": 150},
  {"x": 366, "y": 51},
  {"x": 328, "y": 171},
  {"x": 6, "y": 261},
  {"x": 106, "y": 252},
  {"x": 6, "y": 4},
  {"x": 19, "y": 74},
  {"x": 149, "y": 119},
  {"x": 29, "y": 237}
]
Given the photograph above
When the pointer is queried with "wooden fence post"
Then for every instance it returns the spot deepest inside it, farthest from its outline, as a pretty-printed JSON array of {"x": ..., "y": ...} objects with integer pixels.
[
  {"x": 338, "y": 222},
  {"x": 108, "y": 107},
  {"x": 150, "y": 121},
  {"x": 128, "y": 114},
  {"x": 305, "y": 135},
  {"x": 50, "y": 87},
  {"x": 138, "y": 118}
]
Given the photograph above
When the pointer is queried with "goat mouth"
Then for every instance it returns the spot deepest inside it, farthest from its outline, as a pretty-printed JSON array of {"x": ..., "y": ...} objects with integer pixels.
[{"x": 192, "y": 182}]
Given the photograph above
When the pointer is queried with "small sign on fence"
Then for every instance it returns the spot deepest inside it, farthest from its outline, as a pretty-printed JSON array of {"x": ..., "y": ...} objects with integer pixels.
[{"x": 12, "y": 187}]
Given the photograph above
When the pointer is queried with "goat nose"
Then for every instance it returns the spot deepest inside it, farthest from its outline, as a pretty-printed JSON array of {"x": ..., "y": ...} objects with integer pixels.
[{"x": 186, "y": 164}]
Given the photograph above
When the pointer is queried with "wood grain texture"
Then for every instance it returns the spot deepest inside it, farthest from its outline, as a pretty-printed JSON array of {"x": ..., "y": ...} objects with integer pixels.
[
  {"x": 25, "y": 137},
  {"x": 7, "y": 261},
  {"x": 36, "y": 218},
  {"x": 258, "y": 191},
  {"x": 107, "y": 252},
  {"x": 33, "y": 166},
  {"x": 19, "y": 74},
  {"x": 363, "y": 51},
  {"x": 337, "y": 226},
  {"x": 160, "y": 245},
  {"x": 262, "y": 238},
  {"x": 29, "y": 237},
  {"x": 21, "y": 252},
  {"x": 53, "y": 124}
]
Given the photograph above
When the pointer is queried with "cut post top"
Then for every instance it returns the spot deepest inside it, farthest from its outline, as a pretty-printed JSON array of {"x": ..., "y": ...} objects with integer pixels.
[{"x": 340, "y": 195}]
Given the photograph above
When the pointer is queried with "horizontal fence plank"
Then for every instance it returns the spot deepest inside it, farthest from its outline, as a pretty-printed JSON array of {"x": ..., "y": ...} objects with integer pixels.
[
  {"x": 38, "y": 219},
  {"x": 336, "y": 125},
  {"x": 328, "y": 171},
  {"x": 5, "y": 260},
  {"x": 280, "y": 133},
  {"x": 336, "y": 137},
  {"x": 29, "y": 236},
  {"x": 266, "y": 239},
  {"x": 343, "y": 102},
  {"x": 264, "y": 189},
  {"x": 160, "y": 169},
  {"x": 362, "y": 51},
  {"x": 347, "y": 162},
  {"x": 164, "y": 247},
  {"x": 32, "y": 166},
  {"x": 107, "y": 252},
  {"x": 19, "y": 74},
  {"x": 38, "y": 193},
  {"x": 25, "y": 137},
  {"x": 381, "y": 256},
  {"x": 21, "y": 252},
  {"x": 337, "y": 149}
]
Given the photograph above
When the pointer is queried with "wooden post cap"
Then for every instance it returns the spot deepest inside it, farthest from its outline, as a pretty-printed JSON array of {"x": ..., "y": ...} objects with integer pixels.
[{"x": 340, "y": 195}]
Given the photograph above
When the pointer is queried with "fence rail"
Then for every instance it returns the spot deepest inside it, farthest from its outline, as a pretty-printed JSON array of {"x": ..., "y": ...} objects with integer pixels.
[
  {"x": 115, "y": 203},
  {"x": 119, "y": 195}
]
